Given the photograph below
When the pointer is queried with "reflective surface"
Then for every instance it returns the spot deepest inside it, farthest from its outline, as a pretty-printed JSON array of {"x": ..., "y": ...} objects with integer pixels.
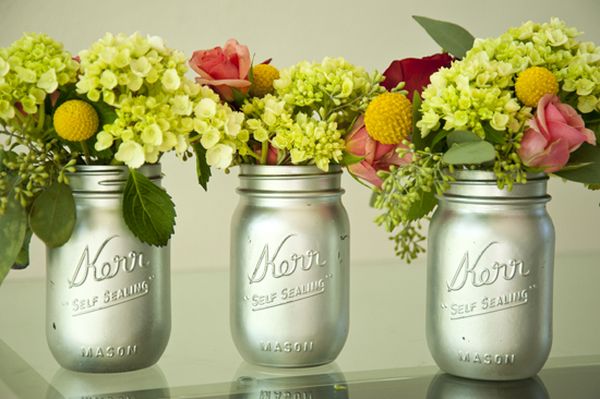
[{"x": 385, "y": 356}]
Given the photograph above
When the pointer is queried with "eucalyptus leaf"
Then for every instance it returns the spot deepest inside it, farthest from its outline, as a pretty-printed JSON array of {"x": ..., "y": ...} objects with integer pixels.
[
  {"x": 468, "y": 153},
  {"x": 52, "y": 215},
  {"x": 419, "y": 141},
  {"x": 22, "y": 260},
  {"x": 589, "y": 173},
  {"x": 494, "y": 136},
  {"x": 439, "y": 136},
  {"x": 148, "y": 210},
  {"x": 461, "y": 136},
  {"x": 13, "y": 227},
  {"x": 202, "y": 167},
  {"x": 452, "y": 38},
  {"x": 421, "y": 208}
]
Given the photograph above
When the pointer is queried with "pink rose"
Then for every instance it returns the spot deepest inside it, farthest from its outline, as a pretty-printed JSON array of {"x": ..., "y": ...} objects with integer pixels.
[
  {"x": 555, "y": 131},
  {"x": 415, "y": 72},
  {"x": 223, "y": 68},
  {"x": 376, "y": 156}
]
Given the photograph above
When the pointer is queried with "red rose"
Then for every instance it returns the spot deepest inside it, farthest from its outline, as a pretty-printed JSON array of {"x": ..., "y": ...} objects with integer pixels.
[{"x": 415, "y": 72}]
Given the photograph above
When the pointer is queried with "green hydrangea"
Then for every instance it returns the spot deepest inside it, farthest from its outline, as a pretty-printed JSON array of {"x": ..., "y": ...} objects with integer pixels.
[
  {"x": 31, "y": 68},
  {"x": 304, "y": 139},
  {"x": 156, "y": 106},
  {"x": 479, "y": 90},
  {"x": 334, "y": 88},
  {"x": 304, "y": 121}
]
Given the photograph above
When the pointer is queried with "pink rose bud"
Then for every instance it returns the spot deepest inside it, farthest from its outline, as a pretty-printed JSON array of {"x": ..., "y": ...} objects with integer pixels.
[
  {"x": 376, "y": 156},
  {"x": 555, "y": 131},
  {"x": 223, "y": 68}
]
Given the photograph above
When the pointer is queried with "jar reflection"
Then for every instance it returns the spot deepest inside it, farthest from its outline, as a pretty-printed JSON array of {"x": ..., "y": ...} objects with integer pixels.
[
  {"x": 446, "y": 386},
  {"x": 147, "y": 383},
  {"x": 256, "y": 382}
]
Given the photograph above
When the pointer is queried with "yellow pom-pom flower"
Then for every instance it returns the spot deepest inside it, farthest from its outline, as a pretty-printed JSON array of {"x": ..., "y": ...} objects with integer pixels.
[
  {"x": 264, "y": 75},
  {"x": 533, "y": 84},
  {"x": 388, "y": 118},
  {"x": 75, "y": 120}
]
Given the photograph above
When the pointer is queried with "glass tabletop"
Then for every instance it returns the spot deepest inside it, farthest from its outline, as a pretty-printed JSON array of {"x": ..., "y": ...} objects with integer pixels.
[{"x": 385, "y": 355}]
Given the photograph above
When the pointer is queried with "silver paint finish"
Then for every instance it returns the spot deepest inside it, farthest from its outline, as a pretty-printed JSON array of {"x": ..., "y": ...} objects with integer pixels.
[
  {"x": 489, "y": 279},
  {"x": 289, "y": 266},
  {"x": 108, "y": 305}
]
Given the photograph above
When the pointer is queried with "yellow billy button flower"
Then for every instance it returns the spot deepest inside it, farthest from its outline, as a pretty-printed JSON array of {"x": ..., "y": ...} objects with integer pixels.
[
  {"x": 75, "y": 120},
  {"x": 533, "y": 84},
  {"x": 388, "y": 118},
  {"x": 264, "y": 75}
]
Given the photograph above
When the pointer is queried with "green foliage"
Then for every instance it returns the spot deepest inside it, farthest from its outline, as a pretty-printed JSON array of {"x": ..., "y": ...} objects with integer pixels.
[
  {"x": 461, "y": 136},
  {"x": 13, "y": 227},
  {"x": 469, "y": 153},
  {"x": 589, "y": 156},
  {"x": 22, "y": 260},
  {"x": 52, "y": 215},
  {"x": 419, "y": 141},
  {"x": 407, "y": 195},
  {"x": 350, "y": 159},
  {"x": 451, "y": 37},
  {"x": 494, "y": 136},
  {"x": 148, "y": 210},
  {"x": 202, "y": 167}
]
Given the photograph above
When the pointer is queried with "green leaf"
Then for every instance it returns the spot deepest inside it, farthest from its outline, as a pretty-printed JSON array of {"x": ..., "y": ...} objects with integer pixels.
[
  {"x": 589, "y": 173},
  {"x": 106, "y": 113},
  {"x": 350, "y": 159},
  {"x": 419, "y": 209},
  {"x": 22, "y": 260},
  {"x": 13, "y": 226},
  {"x": 439, "y": 136},
  {"x": 494, "y": 136},
  {"x": 148, "y": 210},
  {"x": 473, "y": 152},
  {"x": 419, "y": 141},
  {"x": 202, "y": 167},
  {"x": 52, "y": 215},
  {"x": 451, "y": 37},
  {"x": 461, "y": 136},
  {"x": 238, "y": 97}
]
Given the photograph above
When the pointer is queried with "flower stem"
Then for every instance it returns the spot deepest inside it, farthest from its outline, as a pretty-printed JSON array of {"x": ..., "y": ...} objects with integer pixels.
[
  {"x": 86, "y": 152},
  {"x": 41, "y": 117},
  {"x": 264, "y": 152}
]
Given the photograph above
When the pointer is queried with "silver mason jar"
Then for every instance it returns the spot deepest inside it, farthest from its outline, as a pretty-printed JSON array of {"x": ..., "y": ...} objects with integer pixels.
[
  {"x": 489, "y": 278},
  {"x": 108, "y": 299},
  {"x": 289, "y": 266}
]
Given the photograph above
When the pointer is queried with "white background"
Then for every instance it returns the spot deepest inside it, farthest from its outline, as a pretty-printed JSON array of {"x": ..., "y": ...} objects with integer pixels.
[{"x": 370, "y": 33}]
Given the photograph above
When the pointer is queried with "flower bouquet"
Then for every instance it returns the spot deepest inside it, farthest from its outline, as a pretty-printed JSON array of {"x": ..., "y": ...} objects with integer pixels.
[
  {"x": 486, "y": 131},
  {"x": 124, "y": 101},
  {"x": 290, "y": 232},
  {"x": 525, "y": 102},
  {"x": 79, "y": 168}
]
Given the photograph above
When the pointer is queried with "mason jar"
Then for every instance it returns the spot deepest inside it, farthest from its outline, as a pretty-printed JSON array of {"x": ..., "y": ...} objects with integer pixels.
[
  {"x": 489, "y": 278},
  {"x": 289, "y": 266},
  {"x": 108, "y": 300}
]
